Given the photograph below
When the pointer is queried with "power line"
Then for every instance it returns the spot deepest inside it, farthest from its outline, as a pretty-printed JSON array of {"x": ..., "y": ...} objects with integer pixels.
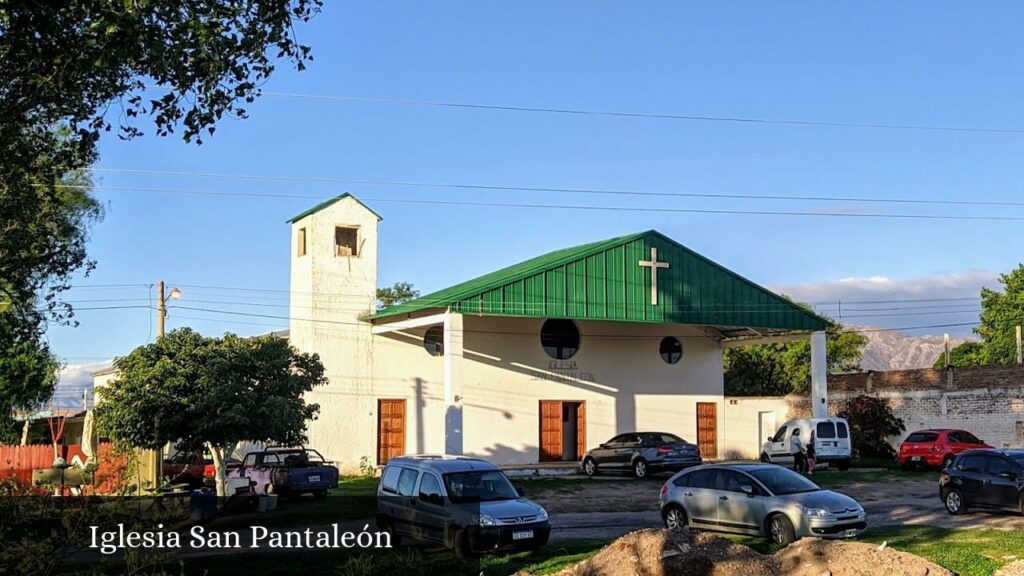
[
  {"x": 647, "y": 115},
  {"x": 592, "y": 208},
  {"x": 511, "y": 188}
]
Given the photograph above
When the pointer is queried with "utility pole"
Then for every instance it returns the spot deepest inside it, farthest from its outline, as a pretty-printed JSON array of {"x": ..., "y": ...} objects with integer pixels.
[
  {"x": 945, "y": 343},
  {"x": 161, "y": 309},
  {"x": 1018, "y": 345}
]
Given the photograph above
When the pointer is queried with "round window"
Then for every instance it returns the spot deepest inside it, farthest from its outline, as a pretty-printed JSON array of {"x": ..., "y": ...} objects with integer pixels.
[
  {"x": 671, "y": 350},
  {"x": 433, "y": 341},
  {"x": 560, "y": 338}
]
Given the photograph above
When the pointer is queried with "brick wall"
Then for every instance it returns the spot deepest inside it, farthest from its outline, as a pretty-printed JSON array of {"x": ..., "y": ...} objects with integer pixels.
[{"x": 988, "y": 401}]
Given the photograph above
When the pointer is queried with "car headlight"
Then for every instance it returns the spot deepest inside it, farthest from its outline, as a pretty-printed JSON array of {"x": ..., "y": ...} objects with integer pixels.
[
  {"x": 542, "y": 515},
  {"x": 816, "y": 512},
  {"x": 487, "y": 520}
]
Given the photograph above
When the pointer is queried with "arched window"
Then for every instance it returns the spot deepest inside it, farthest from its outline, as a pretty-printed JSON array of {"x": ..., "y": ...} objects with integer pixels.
[
  {"x": 433, "y": 341},
  {"x": 671, "y": 350},
  {"x": 560, "y": 338}
]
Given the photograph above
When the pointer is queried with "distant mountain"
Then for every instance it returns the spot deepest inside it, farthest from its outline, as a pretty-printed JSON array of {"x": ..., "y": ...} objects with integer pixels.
[{"x": 899, "y": 351}]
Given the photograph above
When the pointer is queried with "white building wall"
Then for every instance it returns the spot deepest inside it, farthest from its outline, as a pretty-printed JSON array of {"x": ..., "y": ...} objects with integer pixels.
[
  {"x": 743, "y": 437},
  {"x": 329, "y": 293}
]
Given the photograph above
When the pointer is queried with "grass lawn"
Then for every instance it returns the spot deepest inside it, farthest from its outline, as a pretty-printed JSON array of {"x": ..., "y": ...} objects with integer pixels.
[
  {"x": 968, "y": 552},
  {"x": 548, "y": 560},
  {"x": 355, "y": 499},
  {"x": 835, "y": 478}
]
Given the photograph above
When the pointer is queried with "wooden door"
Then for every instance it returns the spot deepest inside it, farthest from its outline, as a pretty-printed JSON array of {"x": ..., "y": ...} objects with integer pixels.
[
  {"x": 550, "y": 430},
  {"x": 390, "y": 430},
  {"x": 581, "y": 430},
  {"x": 707, "y": 429}
]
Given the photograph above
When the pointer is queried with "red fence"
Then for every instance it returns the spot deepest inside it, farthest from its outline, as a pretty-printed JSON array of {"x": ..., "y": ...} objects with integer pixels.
[{"x": 19, "y": 461}]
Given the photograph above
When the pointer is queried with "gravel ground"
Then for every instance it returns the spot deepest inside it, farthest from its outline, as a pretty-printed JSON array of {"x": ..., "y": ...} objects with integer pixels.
[{"x": 622, "y": 506}]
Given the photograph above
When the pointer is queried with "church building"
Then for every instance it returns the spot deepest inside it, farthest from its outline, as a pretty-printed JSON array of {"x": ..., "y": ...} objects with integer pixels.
[{"x": 536, "y": 362}]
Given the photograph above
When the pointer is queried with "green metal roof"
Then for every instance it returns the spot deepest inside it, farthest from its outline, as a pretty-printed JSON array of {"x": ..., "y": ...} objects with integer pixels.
[
  {"x": 327, "y": 203},
  {"x": 604, "y": 281}
]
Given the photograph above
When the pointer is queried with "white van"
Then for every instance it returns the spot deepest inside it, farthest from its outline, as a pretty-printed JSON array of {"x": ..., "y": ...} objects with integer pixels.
[{"x": 831, "y": 441}]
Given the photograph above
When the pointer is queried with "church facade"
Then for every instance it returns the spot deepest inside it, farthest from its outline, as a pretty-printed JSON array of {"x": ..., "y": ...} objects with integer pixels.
[{"x": 535, "y": 362}]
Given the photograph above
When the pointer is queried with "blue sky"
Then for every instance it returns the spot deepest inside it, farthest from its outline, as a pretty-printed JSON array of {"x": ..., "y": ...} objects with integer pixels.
[{"x": 931, "y": 63}]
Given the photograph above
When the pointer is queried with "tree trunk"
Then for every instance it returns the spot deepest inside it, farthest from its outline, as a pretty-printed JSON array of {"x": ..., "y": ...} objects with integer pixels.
[
  {"x": 24, "y": 432},
  {"x": 218, "y": 465}
]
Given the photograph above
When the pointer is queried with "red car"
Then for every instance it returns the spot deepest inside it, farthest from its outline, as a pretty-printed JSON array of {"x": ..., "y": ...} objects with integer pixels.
[{"x": 936, "y": 447}]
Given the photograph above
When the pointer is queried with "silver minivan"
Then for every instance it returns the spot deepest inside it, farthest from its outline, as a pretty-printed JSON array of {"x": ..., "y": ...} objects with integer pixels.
[
  {"x": 461, "y": 503},
  {"x": 831, "y": 441},
  {"x": 759, "y": 500}
]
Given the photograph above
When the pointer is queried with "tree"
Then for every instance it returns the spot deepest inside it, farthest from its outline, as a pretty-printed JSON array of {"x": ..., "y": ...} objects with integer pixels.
[
  {"x": 399, "y": 293},
  {"x": 1001, "y": 312},
  {"x": 784, "y": 368},
  {"x": 72, "y": 70},
  {"x": 872, "y": 422},
  {"x": 969, "y": 353},
  {"x": 195, "y": 392}
]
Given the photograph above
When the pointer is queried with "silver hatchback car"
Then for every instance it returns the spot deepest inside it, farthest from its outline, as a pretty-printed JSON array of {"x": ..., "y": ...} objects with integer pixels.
[{"x": 760, "y": 500}]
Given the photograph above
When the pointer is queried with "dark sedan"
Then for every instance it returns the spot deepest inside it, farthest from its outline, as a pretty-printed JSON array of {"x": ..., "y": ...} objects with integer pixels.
[
  {"x": 642, "y": 453},
  {"x": 992, "y": 479}
]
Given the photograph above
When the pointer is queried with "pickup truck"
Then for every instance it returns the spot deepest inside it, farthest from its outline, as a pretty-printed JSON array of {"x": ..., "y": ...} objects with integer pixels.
[{"x": 287, "y": 472}]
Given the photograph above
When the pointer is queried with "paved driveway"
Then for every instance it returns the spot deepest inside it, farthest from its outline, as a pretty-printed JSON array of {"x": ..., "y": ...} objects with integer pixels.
[{"x": 611, "y": 508}]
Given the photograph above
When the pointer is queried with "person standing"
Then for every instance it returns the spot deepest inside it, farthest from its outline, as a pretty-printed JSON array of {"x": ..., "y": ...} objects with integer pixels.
[
  {"x": 812, "y": 461},
  {"x": 796, "y": 448}
]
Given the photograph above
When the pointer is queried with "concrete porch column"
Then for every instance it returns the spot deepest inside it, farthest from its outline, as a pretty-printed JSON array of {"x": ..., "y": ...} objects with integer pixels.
[
  {"x": 453, "y": 338},
  {"x": 819, "y": 372}
]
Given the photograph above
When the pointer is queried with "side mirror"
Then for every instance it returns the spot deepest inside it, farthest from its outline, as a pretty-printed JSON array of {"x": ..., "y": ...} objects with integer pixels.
[
  {"x": 748, "y": 490},
  {"x": 769, "y": 438}
]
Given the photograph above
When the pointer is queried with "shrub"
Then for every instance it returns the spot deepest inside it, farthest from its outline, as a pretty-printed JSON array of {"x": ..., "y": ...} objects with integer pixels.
[{"x": 872, "y": 422}]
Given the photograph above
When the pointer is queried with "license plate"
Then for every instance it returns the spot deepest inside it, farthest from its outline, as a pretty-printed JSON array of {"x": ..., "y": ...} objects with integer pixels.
[
  {"x": 522, "y": 535},
  {"x": 915, "y": 458},
  {"x": 851, "y": 533},
  {"x": 314, "y": 477}
]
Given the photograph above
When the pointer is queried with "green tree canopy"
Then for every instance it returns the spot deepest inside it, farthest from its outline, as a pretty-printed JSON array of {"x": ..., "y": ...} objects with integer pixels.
[
  {"x": 195, "y": 392},
  {"x": 398, "y": 293},
  {"x": 967, "y": 354},
  {"x": 73, "y": 70},
  {"x": 1001, "y": 312},
  {"x": 783, "y": 368}
]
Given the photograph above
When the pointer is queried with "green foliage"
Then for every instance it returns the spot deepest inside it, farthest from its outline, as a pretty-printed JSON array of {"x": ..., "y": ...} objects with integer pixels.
[
  {"x": 970, "y": 353},
  {"x": 399, "y": 293},
  {"x": 196, "y": 391},
  {"x": 785, "y": 368},
  {"x": 28, "y": 373},
  {"x": 872, "y": 422},
  {"x": 72, "y": 70},
  {"x": 1001, "y": 313}
]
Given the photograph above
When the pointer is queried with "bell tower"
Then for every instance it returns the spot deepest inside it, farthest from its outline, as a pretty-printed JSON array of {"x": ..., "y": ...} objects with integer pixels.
[{"x": 334, "y": 284}]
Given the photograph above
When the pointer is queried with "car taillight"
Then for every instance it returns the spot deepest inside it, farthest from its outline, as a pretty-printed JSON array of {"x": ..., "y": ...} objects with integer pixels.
[
  {"x": 664, "y": 489},
  {"x": 664, "y": 450}
]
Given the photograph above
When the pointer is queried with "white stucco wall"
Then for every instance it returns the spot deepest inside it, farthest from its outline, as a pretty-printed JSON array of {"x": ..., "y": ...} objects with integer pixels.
[
  {"x": 617, "y": 372},
  {"x": 742, "y": 437},
  {"x": 329, "y": 294}
]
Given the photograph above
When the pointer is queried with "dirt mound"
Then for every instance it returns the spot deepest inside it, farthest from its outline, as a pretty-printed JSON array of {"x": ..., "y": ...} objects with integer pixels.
[
  {"x": 1011, "y": 569},
  {"x": 814, "y": 557},
  {"x": 667, "y": 553},
  {"x": 685, "y": 553}
]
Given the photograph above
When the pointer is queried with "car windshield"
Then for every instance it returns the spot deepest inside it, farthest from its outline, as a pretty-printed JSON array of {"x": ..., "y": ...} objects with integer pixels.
[
  {"x": 783, "y": 481},
  {"x": 479, "y": 486}
]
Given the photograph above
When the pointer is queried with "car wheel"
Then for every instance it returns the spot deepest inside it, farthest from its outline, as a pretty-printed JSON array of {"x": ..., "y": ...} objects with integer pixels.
[
  {"x": 589, "y": 466},
  {"x": 640, "y": 468},
  {"x": 675, "y": 518},
  {"x": 765, "y": 458},
  {"x": 385, "y": 524},
  {"x": 780, "y": 530},
  {"x": 954, "y": 502},
  {"x": 320, "y": 494},
  {"x": 462, "y": 547}
]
